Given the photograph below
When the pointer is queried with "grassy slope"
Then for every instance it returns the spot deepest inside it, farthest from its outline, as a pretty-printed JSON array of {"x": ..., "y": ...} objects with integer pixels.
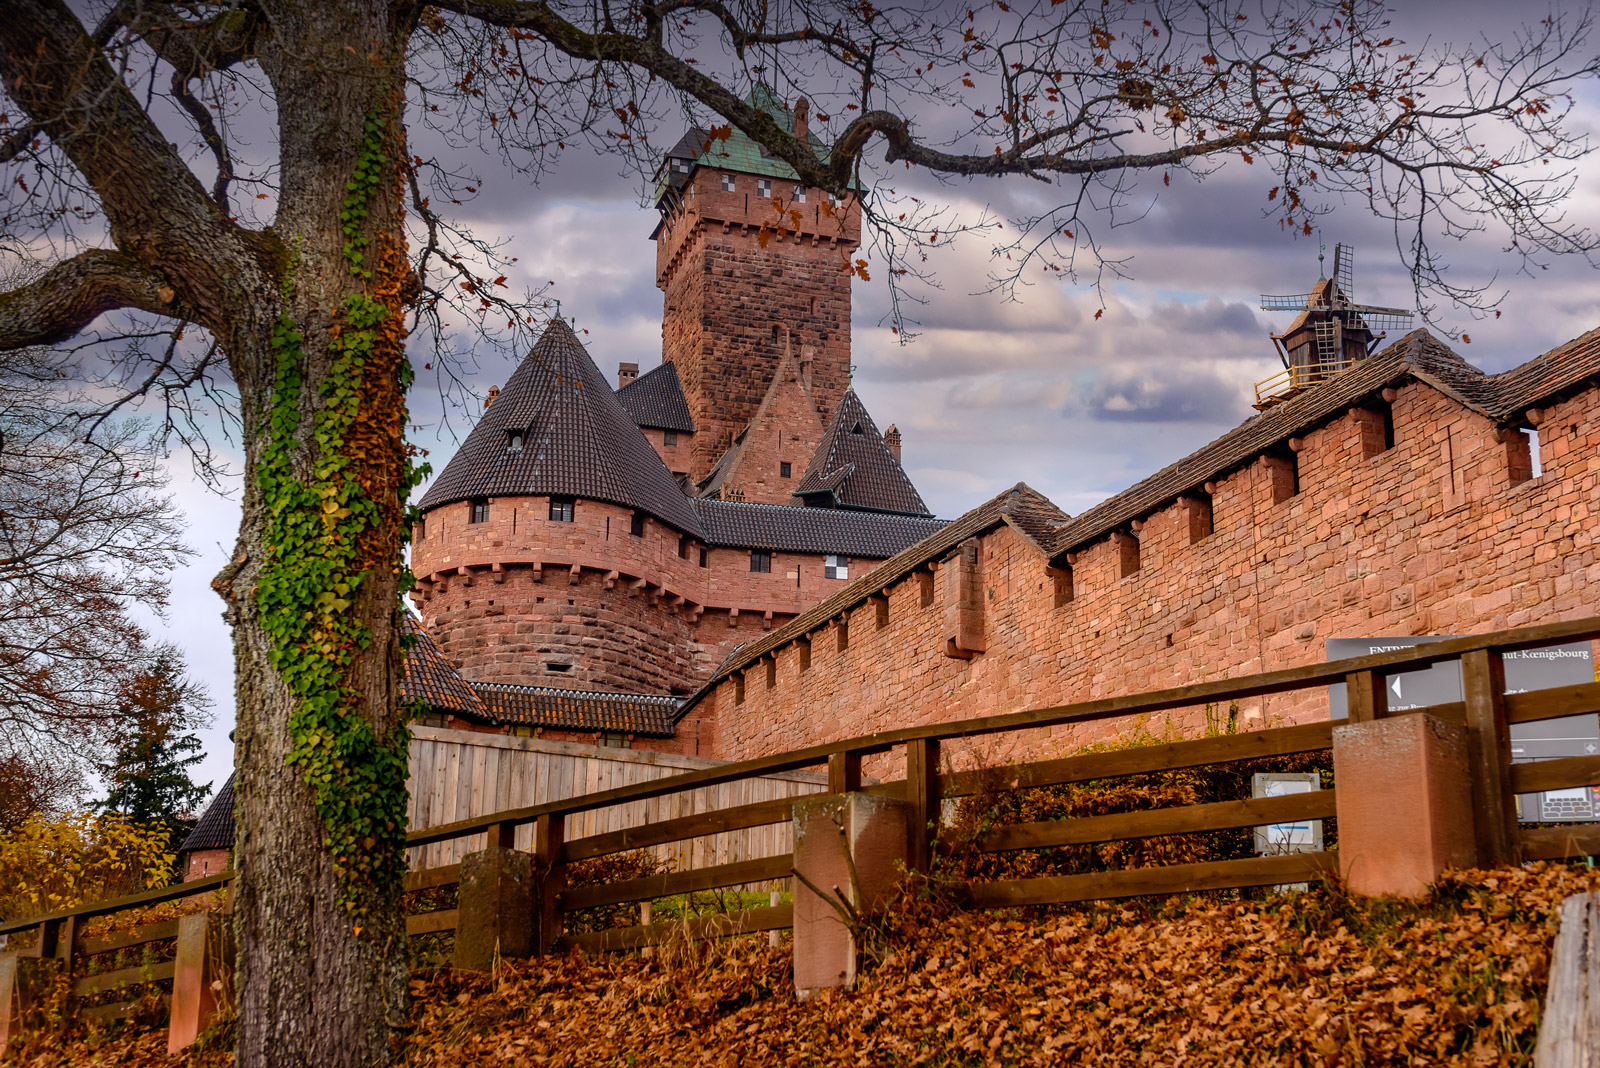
[{"x": 1310, "y": 979}]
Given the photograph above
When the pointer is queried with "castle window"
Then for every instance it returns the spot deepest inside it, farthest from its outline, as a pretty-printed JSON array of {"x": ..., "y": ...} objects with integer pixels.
[
  {"x": 420, "y": 531},
  {"x": 636, "y": 525},
  {"x": 727, "y": 183},
  {"x": 761, "y": 560},
  {"x": 1376, "y": 425},
  {"x": 1197, "y": 508},
  {"x": 683, "y": 547},
  {"x": 680, "y": 166},
  {"x": 799, "y": 194},
  {"x": 669, "y": 438},
  {"x": 836, "y": 567},
  {"x": 1522, "y": 454},
  {"x": 1283, "y": 468},
  {"x": 480, "y": 510},
  {"x": 738, "y": 689},
  {"x": 614, "y": 739},
  {"x": 513, "y": 441},
  {"x": 763, "y": 187},
  {"x": 703, "y": 555},
  {"x": 1061, "y": 580},
  {"x": 783, "y": 469},
  {"x": 1127, "y": 553},
  {"x": 561, "y": 509},
  {"x": 772, "y": 672}
]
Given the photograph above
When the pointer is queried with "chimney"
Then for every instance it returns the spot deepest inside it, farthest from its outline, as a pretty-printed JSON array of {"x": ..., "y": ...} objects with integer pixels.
[
  {"x": 626, "y": 373},
  {"x": 802, "y": 120},
  {"x": 494, "y": 391},
  {"x": 891, "y": 438}
]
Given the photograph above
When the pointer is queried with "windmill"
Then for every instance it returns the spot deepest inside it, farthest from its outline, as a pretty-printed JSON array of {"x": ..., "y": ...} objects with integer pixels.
[{"x": 1330, "y": 334}]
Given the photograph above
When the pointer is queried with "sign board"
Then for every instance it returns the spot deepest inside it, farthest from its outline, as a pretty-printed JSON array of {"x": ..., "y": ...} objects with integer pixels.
[
  {"x": 1302, "y": 836},
  {"x": 1526, "y": 669}
]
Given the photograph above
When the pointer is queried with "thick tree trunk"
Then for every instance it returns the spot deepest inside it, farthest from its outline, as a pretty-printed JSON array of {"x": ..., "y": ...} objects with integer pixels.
[{"x": 321, "y": 935}]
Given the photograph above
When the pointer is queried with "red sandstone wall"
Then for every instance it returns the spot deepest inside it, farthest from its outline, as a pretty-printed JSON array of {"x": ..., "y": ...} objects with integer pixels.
[
  {"x": 678, "y": 456},
  {"x": 633, "y": 617},
  {"x": 1429, "y": 537},
  {"x": 720, "y": 335}
]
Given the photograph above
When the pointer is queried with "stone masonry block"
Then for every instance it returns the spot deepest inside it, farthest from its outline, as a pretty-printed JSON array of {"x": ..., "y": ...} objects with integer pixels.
[
  {"x": 1405, "y": 803},
  {"x": 828, "y": 833},
  {"x": 496, "y": 907}
]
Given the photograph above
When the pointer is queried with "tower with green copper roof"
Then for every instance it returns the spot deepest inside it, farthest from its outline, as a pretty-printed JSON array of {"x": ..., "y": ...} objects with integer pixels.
[{"x": 753, "y": 264}]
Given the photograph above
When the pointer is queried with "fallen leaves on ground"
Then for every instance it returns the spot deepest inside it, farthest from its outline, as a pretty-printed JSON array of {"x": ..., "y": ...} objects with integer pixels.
[{"x": 1305, "y": 979}]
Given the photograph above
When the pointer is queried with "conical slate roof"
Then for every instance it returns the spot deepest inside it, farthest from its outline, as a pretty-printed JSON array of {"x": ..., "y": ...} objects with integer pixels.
[
  {"x": 853, "y": 468},
  {"x": 577, "y": 441}
]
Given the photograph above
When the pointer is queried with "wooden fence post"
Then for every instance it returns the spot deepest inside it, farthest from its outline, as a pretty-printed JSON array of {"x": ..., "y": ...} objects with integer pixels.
[
  {"x": 24, "y": 978},
  {"x": 1483, "y": 677},
  {"x": 1569, "y": 1032},
  {"x": 922, "y": 793},
  {"x": 204, "y": 958},
  {"x": 844, "y": 772},
  {"x": 549, "y": 835},
  {"x": 1367, "y": 696}
]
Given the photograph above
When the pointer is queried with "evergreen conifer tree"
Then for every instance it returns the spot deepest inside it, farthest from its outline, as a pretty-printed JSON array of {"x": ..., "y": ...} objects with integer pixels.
[{"x": 148, "y": 779}]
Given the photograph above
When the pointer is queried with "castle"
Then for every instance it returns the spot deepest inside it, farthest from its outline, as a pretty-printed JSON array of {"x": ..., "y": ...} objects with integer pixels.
[
  {"x": 724, "y": 557},
  {"x": 731, "y": 529}
]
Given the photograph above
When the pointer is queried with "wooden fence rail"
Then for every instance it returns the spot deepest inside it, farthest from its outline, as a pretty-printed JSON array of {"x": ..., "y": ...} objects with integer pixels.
[{"x": 1483, "y": 718}]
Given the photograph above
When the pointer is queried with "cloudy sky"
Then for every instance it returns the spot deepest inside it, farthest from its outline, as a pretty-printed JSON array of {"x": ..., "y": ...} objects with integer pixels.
[{"x": 992, "y": 391}]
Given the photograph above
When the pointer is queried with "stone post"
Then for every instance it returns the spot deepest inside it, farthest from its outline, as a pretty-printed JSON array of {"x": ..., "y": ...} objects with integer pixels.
[
  {"x": 1404, "y": 803},
  {"x": 829, "y": 832},
  {"x": 495, "y": 913}
]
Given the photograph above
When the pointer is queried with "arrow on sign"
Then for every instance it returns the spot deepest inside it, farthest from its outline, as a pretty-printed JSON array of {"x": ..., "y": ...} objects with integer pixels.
[{"x": 1394, "y": 684}]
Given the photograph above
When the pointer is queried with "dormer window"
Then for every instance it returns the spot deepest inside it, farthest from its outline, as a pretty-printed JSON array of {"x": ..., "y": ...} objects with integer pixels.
[
  {"x": 727, "y": 183},
  {"x": 763, "y": 187},
  {"x": 513, "y": 441},
  {"x": 856, "y": 429}
]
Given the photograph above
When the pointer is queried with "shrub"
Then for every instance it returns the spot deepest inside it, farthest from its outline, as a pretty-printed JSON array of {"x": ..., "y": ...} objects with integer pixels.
[{"x": 51, "y": 864}]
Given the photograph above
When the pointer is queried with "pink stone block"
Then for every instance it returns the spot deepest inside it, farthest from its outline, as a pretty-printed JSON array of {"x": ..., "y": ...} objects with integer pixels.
[
  {"x": 874, "y": 831},
  {"x": 1404, "y": 803}
]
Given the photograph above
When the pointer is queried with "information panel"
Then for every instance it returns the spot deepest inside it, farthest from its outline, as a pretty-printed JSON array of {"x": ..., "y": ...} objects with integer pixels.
[{"x": 1526, "y": 669}]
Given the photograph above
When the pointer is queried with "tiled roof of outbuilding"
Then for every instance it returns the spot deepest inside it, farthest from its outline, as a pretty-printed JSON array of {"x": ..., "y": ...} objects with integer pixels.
[
  {"x": 655, "y": 399},
  {"x": 577, "y": 441},
  {"x": 579, "y": 710},
  {"x": 430, "y": 678},
  {"x": 1552, "y": 374},
  {"x": 215, "y": 828},
  {"x": 786, "y": 528},
  {"x": 855, "y": 469}
]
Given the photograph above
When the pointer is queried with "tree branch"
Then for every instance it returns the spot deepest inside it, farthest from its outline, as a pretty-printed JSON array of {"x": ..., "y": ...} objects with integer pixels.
[{"x": 68, "y": 297}]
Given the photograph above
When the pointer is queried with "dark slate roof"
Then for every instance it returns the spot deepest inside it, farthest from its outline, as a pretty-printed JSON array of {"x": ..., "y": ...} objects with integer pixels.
[
  {"x": 215, "y": 829},
  {"x": 1021, "y": 506},
  {"x": 579, "y": 710},
  {"x": 1417, "y": 355},
  {"x": 577, "y": 441},
  {"x": 711, "y": 485},
  {"x": 853, "y": 468},
  {"x": 655, "y": 399},
  {"x": 786, "y": 528},
  {"x": 430, "y": 678}
]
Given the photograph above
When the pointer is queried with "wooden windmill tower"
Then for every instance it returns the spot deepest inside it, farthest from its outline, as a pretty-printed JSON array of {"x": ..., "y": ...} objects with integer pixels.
[{"x": 1330, "y": 334}]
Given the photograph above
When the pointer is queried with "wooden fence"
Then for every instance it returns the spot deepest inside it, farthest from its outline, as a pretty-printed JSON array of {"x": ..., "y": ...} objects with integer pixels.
[
  {"x": 1486, "y": 713},
  {"x": 462, "y": 775}
]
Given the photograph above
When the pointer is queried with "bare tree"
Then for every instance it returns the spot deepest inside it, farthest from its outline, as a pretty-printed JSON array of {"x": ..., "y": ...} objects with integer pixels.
[
  {"x": 86, "y": 532},
  {"x": 308, "y": 308}
]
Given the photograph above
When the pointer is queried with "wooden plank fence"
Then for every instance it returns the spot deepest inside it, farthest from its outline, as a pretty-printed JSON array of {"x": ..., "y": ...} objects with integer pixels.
[
  {"x": 461, "y": 775},
  {"x": 559, "y": 830}
]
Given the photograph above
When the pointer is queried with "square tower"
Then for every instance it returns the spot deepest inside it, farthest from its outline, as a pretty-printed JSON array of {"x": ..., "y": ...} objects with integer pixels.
[{"x": 752, "y": 264}]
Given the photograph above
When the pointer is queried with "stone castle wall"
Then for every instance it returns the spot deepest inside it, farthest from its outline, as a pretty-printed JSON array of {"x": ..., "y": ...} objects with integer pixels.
[
  {"x": 1444, "y": 533},
  {"x": 587, "y": 605},
  {"x": 737, "y": 294}
]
